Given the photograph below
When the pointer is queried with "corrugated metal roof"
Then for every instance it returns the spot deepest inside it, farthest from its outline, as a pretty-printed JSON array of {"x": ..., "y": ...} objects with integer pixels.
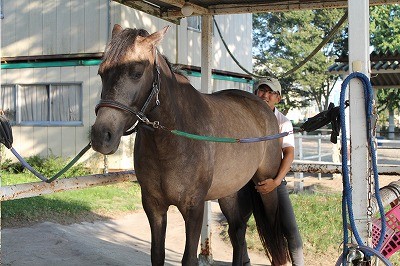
[
  {"x": 385, "y": 69},
  {"x": 171, "y": 9}
]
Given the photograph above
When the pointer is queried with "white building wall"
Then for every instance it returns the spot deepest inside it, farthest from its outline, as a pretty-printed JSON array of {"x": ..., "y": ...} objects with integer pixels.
[
  {"x": 48, "y": 27},
  {"x": 236, "y": 31}
]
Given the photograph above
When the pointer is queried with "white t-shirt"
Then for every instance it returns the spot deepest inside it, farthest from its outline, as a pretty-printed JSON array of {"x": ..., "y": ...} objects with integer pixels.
[{"x": 285, "y": 125}]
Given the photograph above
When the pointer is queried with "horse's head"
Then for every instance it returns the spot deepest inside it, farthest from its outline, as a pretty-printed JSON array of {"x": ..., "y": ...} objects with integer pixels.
[{"x": 129, "y": 74}]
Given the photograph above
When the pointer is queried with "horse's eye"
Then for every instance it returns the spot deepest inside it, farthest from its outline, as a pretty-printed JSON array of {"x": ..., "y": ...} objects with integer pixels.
[{"x": 137, "y": 75}]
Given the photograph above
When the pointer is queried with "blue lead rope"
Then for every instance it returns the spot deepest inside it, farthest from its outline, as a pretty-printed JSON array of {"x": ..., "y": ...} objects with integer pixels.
[
  {"x": 264, "y": 138},
  {"x": 347, "y": 205}
]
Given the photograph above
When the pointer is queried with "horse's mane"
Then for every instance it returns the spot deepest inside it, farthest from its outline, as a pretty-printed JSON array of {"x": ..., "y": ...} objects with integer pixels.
[{"x": 175, "y": 68}]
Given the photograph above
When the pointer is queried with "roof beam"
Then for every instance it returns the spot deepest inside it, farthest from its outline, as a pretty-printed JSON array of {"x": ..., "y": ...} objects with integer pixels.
[
  {"x": 142, "y": 6},
  {"x": 258, "y": 8},
  {"x": 197, "y": 10},
  {"x": 147, "y": 7},
  {"x": 274, "y": 7},
  {"x": 179, "y": 3},
  {"x": 174, "y": 13},
  {"x": 281, "y": 6}
]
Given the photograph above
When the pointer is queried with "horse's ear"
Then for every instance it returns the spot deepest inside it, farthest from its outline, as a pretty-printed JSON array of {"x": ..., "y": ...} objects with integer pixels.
[
  {"x": 156, "y": 37},
  {"x": 117, "y": 29}
]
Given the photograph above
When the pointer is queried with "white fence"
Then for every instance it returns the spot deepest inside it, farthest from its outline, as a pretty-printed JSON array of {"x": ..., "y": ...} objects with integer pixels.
[
  {"x": 319, "y": 155},
  {"x": 316, "y": 154}
]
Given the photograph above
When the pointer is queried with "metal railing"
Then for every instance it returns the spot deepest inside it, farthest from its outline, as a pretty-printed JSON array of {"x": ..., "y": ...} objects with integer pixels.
[
  {"x": 319, "y": 155},
  {"x": 317, "y": 152}
]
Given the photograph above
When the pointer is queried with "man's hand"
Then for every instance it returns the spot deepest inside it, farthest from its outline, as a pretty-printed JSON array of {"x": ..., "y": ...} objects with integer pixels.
[{"x": 266, "y": 186}]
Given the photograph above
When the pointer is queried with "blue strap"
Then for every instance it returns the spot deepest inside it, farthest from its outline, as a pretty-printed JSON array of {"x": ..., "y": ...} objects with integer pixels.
[
  {"x": 264, "y": 138},
  {"x": 347, "y": 205}
]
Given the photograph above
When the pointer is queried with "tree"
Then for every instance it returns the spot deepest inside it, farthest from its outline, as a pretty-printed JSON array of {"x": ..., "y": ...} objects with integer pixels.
[
  {"x": 385, "y": 37},
  {"x": 282, "y": 40}
]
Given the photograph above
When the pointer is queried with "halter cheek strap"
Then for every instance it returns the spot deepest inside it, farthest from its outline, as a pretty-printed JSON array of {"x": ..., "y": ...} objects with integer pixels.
[{"x": 139, "y": 114}]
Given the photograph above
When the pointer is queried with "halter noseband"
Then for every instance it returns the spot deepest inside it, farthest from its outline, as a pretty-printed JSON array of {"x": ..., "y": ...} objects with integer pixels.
[{"x": 139, "y": 114}]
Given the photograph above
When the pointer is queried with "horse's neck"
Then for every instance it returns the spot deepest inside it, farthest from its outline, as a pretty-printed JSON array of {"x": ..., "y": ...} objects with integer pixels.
[{"x": 177, "y": 97}]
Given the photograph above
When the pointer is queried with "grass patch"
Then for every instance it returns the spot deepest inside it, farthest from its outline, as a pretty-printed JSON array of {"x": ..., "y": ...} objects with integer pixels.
[
  {"x": 66, "y": 207},
  {"x": 319, "y": 217}
]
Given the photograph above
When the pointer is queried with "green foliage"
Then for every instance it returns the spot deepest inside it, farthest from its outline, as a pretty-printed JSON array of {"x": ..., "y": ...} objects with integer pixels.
[
  {"x": 48, "y": 167},
  {"x": 385, "y": 37},
  {"x": 11, "y": 167},
  {"x": 282, "y": 40},
  {"x": 388, "y": 101},
  {"x": 384, "y": 27}
]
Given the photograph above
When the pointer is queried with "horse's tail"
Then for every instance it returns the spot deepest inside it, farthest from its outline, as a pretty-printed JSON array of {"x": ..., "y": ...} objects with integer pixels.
[{"x": 269, "y": 228}]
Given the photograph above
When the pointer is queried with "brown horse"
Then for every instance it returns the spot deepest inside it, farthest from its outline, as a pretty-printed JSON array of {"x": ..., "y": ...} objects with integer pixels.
[{"x": 140, "y": 86}]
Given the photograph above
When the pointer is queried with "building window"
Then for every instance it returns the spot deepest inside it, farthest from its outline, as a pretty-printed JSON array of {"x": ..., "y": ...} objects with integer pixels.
[
  {"x": 56, "y": 104},
  {"x": 194, "y": 23},
  {"x": 1, "y": 9},
  {"x": 7, "y": 102}
]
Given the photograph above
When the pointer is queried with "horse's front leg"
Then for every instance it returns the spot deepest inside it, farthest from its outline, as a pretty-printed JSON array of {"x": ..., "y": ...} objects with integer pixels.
[
  {"x": 157, "y": 214},
  {"x": 193, "y": 216}
]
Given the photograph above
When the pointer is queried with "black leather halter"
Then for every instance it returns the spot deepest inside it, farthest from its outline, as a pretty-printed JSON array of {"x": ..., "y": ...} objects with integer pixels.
[{"x": 139, "y": 114}]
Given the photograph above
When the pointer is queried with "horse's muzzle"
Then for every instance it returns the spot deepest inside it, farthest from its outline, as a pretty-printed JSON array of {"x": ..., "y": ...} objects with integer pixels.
[{"x": 104, "y": 140}]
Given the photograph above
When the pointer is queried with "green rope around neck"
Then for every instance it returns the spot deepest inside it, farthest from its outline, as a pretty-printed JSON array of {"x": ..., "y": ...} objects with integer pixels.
[
  {"x": 229, "y": 140},
  {"x": 204, "y": 138}
]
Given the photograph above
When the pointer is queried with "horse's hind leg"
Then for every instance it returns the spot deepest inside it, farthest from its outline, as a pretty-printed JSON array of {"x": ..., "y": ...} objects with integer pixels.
[
  {"x": 237, "y": 209},
  {"x": 157, "y": 215}
]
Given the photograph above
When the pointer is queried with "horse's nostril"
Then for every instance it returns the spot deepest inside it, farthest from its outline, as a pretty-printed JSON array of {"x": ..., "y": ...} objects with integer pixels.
[{"x": 107, "y": 136}]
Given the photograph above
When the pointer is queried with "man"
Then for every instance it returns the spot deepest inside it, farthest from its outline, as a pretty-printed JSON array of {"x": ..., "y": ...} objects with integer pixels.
[{"x": 269, "y": 90}]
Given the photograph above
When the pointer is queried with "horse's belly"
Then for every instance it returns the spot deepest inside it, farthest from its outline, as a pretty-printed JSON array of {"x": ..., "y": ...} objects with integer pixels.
[
  {"x": 232, "y": 174},
  {"x": 227, "y": 186}
]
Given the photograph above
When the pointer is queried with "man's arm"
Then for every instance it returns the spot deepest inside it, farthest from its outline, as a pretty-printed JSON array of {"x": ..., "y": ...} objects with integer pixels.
[{"x": 268, "y": 185}]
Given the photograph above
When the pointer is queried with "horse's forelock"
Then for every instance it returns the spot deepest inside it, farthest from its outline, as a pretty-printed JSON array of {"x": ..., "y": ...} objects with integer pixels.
[{"x": 119, "y": 45}]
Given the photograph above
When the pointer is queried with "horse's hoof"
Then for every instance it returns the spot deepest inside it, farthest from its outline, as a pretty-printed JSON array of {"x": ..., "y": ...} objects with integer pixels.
[{"x": 247, "y": 263}]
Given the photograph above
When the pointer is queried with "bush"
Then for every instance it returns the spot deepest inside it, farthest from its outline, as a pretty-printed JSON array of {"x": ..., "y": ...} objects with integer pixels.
[
  {"x": 48, "y": 167},
  {"x": 10, "y": 167}
]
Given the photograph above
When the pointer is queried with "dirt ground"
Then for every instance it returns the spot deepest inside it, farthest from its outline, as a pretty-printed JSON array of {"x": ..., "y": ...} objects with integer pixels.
[
  {"x": 117, "y": 242},
  {"x": 125, "y": 240}
]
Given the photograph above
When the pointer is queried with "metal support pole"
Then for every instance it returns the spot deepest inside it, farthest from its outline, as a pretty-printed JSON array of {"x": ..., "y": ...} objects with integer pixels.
[
  {"x": 319, "y": 152},
  {"x": 206, "y": 53},
  {"x": 105, "y": 169},
  {"x": 2, "y": 147},
  {"x": 359, "y": 157},
  {"x": 205, "y": 257},
  {"x": 1, "y": 158},
  {"x": 298, "y": 177}
]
